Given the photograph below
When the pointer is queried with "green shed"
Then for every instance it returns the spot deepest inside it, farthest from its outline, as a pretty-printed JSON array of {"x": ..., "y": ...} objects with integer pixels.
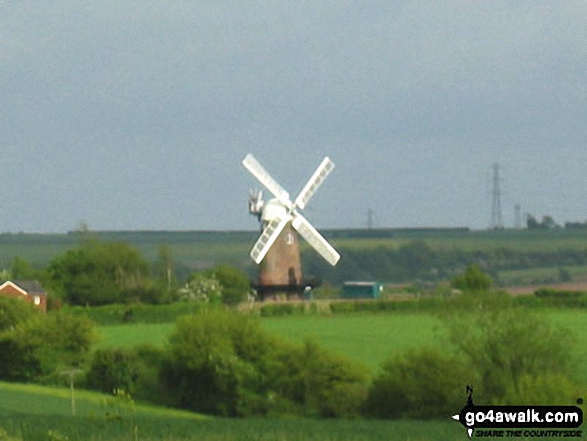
[{"x": 361, "y": 290}]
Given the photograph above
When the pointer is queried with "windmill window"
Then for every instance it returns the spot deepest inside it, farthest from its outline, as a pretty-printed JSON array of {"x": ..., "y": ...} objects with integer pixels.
[{"x": 37, "y": 300}]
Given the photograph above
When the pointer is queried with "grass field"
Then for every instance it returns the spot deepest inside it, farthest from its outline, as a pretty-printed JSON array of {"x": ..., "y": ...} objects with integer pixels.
[
  {"x": 31, "y": 412},
  {"x": 124, "y": 336},
  {"x": 36, "y": 413},
  {"x": 43, "y": 400},
  {"x": 367, "y": 338}
]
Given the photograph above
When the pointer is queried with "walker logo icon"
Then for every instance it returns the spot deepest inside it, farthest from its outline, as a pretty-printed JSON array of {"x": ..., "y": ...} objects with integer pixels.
[{"x": 520, "y": 421}]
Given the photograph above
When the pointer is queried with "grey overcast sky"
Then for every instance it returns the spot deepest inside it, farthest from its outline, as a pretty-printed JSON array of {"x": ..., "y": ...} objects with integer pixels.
[{"x": 136, "y": 114}]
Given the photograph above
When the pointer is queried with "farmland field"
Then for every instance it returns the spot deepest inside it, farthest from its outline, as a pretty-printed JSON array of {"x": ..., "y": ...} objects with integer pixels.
[{"x": 366, "y": 338}]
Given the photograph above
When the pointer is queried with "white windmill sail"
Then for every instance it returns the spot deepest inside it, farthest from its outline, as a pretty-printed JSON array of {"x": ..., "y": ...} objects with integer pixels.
[
  {"x": 287, "y": 211},
  {"x": 315, "y": 181},
  {"x": 258, "y": 171},
  {"x": 314, "y": 238},
  {"x": 269, "y": 235}
]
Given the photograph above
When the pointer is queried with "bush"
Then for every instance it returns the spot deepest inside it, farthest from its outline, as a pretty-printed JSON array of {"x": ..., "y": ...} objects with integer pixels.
[
  {"x": 509, "y": 347},
  {"x": 208, "y": 363},
  {"x": 509, "y": 354},
  {"x": 14, "y": 311},
  {"x": 420, "y": 383},
  {"x": 40, "y": 347},
  {"x": 135, "y": 371},
  {"x": 109, "y": 370},
  {"x": 538, "y": 389},
  {"x": 222, "y": 363},
  {"x": 333, "y": 387},
  {"x": 235, "y": 284},
  {"x": 473, "y": 280}
]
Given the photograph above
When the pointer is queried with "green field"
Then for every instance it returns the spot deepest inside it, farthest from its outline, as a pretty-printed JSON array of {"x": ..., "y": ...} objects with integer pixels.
[
  {"x": 36, "y": 413},
  {"x": 44, "y": 413},
  {"x": 43, "y": 400},
  {"x": 124, "y": 336},
  {"x": 366, "y": 338}
]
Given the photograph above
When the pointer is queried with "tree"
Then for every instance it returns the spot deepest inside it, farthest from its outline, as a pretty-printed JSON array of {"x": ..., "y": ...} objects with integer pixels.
[
  {"x": 14, "y": 311},
  {"x": 204, "y": 371},
  {"x": 473, "y": 280},
  {"x": 224, "y": 283},
  {"x": 201, "y": 288},
  {"x": 97, "y": 273},
  {"x": 547, "y": 223},
  {"x": 39, "y": 347},
  {"x": 235, "y": 284},
  {"x": 165, "y": 270},
  {"x": 21, "y": 269},
  {"x": 426, "y": 382}
]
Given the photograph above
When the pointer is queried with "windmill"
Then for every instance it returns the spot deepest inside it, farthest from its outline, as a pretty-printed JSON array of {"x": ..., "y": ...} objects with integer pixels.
[{"x": 277, "y": 250}]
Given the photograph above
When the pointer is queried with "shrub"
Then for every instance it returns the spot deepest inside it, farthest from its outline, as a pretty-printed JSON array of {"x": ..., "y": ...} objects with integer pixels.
[
  {"x": 41, "y": 346},
  {"x": 473, "y": 280},
  {"x": 204, "y": 371},
  {"x": 509, "y": 347},
  {"x": 134, "y": 370},
  {"x": 538, "y": 389},
  {"x": 332, "y": 386},
  {"x": 420, "y": 383},
  {"x": 110, "y": 369},
  {"x": 222, "y": 363},
  {"x": 14, "y": 311},
  {"x": 235, "y": 284}
]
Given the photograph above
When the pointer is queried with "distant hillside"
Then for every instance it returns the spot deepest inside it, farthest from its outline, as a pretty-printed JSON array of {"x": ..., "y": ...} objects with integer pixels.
[{"x": 452, "y": 249}]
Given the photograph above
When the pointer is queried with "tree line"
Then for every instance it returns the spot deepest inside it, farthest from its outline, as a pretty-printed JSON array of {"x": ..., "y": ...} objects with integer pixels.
[
  {"x": 417, "y": 261},
  {"x": 100, "y": 272}
]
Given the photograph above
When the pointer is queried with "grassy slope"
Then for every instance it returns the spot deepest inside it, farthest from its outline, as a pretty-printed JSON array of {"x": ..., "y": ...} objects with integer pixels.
[
  {"x": 31, "y": 411},
  {"x": 36, "y": 399}
]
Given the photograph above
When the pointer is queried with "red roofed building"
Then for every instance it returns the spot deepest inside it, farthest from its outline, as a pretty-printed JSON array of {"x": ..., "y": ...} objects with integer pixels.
[{"x": 30, "y": 290}]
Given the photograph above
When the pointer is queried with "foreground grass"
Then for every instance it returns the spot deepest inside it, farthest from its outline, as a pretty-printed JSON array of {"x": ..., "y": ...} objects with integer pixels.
[
  {"x": 34, "y": 412},
  {"x": 89, "y": 429},
  {"x": 44, "y": 400}
]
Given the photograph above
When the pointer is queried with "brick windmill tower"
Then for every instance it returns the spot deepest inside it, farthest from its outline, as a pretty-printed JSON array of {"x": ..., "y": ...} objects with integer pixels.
[{"x": 277, "y": 251}]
